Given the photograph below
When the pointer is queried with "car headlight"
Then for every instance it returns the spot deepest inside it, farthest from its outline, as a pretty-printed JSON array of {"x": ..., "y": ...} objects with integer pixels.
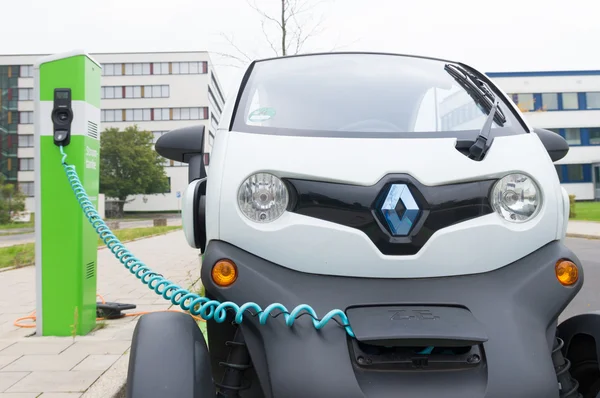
[
  {"x": 263, "y": 198},
  {"x": 516, "y": 197}
]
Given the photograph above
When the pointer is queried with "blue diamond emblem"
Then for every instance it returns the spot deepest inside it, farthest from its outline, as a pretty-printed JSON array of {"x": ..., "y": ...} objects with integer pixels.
[{"x": 400, "y": 210}]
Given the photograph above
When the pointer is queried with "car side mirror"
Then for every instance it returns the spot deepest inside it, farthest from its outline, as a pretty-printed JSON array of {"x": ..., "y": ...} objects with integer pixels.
[
  {"x": 555, "y": 144},
  {"x": 184, "y": 145}
]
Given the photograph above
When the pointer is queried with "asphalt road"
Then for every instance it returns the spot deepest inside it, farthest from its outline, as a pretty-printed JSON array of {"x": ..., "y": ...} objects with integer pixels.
[
  {"x": 588, "y": 299},
  {"x": 11, "y": 240}
]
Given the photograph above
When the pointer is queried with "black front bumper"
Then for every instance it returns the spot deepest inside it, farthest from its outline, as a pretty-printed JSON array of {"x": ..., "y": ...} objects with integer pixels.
[{"x": 516, "y": 310}]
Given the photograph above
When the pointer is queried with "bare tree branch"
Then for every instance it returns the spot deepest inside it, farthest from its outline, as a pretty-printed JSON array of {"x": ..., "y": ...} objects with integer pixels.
[
  {"x": 263, "y": 14},
  {"x": 295, "y": 22},
  {"x": 267, "y": 38},
  {"x": 301, "y": 38}
]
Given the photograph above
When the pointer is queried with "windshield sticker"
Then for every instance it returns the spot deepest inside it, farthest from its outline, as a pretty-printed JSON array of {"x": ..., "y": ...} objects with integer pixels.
[{"x": 261, "y": 114}]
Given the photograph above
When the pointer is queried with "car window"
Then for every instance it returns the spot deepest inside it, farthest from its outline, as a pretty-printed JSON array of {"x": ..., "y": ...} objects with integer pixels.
[{"x": 356, "y": 93}]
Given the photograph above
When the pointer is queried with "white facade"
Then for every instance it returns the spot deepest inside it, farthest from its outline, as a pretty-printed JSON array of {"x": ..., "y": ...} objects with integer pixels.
[
  {"x": 567, "y": 102},
  {"x": 157, "y": 91}
]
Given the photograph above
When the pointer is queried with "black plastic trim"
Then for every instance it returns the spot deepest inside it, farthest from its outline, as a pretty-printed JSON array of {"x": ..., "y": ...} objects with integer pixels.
[
  {"x": 181, "y": 144},
  {"x": 518, "y": 305},
  {"x": 416, "y": 326},
  {"x": 199, "y": 215},
  {"x": 356, "y": 207}
]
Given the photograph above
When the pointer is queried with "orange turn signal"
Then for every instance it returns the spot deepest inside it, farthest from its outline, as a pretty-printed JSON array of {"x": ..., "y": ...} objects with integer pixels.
[
  {"x": 224, "y": 273},
  {"x": 567, "y": 272}
]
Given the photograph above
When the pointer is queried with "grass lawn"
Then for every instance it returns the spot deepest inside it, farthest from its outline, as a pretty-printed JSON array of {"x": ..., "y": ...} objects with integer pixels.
[
  {"x": 17, "y": 225},
  {"x": 587, "y": 211},
  {"x": 21, "y": 255}
]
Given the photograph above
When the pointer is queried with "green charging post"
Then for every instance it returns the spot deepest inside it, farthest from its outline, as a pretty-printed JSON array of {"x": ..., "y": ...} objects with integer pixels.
[{"x": 67, "y": 114}]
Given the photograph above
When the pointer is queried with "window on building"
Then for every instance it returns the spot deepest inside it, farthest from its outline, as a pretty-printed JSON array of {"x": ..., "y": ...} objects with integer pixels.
[
  {"x": 185, "y": 113},
  {"x": 550, "y": 101},
  {"x": 525, "y": 102},
  {"x": 592, "y": 100},
  {"x": 184, "y": 68},
  {"x": 27, "y": 188},
  {"x": 128, "y": 69},
  {"x": 26, "y": 117},
  {"x": 574, "y": 172},
  {"x": 26, "y": 141},
  {"x": 26, "y": 94},
  {"x": 213, "y": 100},
  {"x": 595, "y": 136},
  {"x": 108, "y": 69},
  {"x": 26, "y": 164},
  {"x": 111, "y": 115},
  {"x": 108, "y": 92},
  {"x": 26, "y": 71},
  {"x": 573, "y": 136},
  {"x": 165, "y": 92},
  {"x": 146, "y": 68},
  {"x": 570, "y": 101}
]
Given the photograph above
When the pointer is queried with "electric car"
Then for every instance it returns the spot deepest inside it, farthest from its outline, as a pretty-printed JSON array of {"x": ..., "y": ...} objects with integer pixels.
[{"x": 406, "y": 194}]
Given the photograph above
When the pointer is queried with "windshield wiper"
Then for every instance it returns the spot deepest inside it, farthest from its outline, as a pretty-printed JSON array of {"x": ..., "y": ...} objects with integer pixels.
[
  {"x": 478, "y": 90},
  {"x": 484, "y": 97},
  {"x": 479, "y": 147}
]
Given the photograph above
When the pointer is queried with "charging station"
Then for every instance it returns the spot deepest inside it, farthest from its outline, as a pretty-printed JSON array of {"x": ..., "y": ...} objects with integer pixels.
[{"x": 67, "y": 113}]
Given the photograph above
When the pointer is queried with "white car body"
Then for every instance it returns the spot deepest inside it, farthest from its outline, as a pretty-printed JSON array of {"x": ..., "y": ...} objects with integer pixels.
[{"x": 315, "y": 246}]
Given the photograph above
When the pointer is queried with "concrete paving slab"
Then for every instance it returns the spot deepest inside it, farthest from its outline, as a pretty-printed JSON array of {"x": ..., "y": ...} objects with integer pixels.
[
  {"x": 46, "y": 362},
  {"x": 56, "y": 381},
  {"x": 8, "y": 379}
]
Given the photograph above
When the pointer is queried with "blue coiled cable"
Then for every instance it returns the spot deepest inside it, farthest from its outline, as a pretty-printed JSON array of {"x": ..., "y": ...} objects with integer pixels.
[{"x": 192, "y": 302}]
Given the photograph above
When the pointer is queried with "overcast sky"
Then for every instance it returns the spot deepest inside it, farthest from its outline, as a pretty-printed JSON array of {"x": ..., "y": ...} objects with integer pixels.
[{"x": 501, "y": 35}]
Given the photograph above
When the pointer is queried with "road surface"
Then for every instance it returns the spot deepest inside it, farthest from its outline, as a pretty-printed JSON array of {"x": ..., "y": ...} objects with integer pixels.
[{"x": 11, "y": 240}]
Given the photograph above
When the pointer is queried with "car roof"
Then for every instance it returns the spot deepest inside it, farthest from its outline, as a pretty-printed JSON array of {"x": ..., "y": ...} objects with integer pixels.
[{"x": 358, "y": 53}]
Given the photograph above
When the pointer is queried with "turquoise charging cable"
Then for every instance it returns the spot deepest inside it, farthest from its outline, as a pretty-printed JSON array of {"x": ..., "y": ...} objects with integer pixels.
[{"x": 192, "y": 302}]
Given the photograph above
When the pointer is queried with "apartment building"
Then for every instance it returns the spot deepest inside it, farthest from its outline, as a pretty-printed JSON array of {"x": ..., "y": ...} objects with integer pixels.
[{"x": 158, "y": 92}]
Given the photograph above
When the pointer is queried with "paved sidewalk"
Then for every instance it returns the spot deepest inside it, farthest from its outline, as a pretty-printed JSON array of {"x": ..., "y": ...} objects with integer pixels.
[
  {"x": 583, "y": 229},
  {"x": 65, "y": 367}
]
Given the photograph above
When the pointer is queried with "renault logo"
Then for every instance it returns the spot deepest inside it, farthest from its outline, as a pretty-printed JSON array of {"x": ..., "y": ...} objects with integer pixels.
[{"x": 399, "y": 209}]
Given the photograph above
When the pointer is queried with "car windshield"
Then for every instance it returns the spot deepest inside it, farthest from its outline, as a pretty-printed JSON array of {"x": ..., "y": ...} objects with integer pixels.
[{"x": 361, "y": 93}]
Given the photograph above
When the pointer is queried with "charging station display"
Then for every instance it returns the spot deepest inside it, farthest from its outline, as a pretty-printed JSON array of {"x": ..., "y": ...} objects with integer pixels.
[{"x": 67, "y": 113}]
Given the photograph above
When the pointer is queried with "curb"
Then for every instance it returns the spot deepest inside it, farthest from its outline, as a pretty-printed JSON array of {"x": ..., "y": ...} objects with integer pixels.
[
  {"x": 142, "y": 238},
  {"x": 99, "y": 248},
  {"x": 111, "y": 384},
  {"x": 583, "y": 236}
]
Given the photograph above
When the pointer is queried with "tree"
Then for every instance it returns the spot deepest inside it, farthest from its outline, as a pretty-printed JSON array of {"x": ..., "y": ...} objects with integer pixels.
[
  {"x": 286, "y": 29},
  {"x": 12, "y": 201},
  {"x": 129, "y": 165}
]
